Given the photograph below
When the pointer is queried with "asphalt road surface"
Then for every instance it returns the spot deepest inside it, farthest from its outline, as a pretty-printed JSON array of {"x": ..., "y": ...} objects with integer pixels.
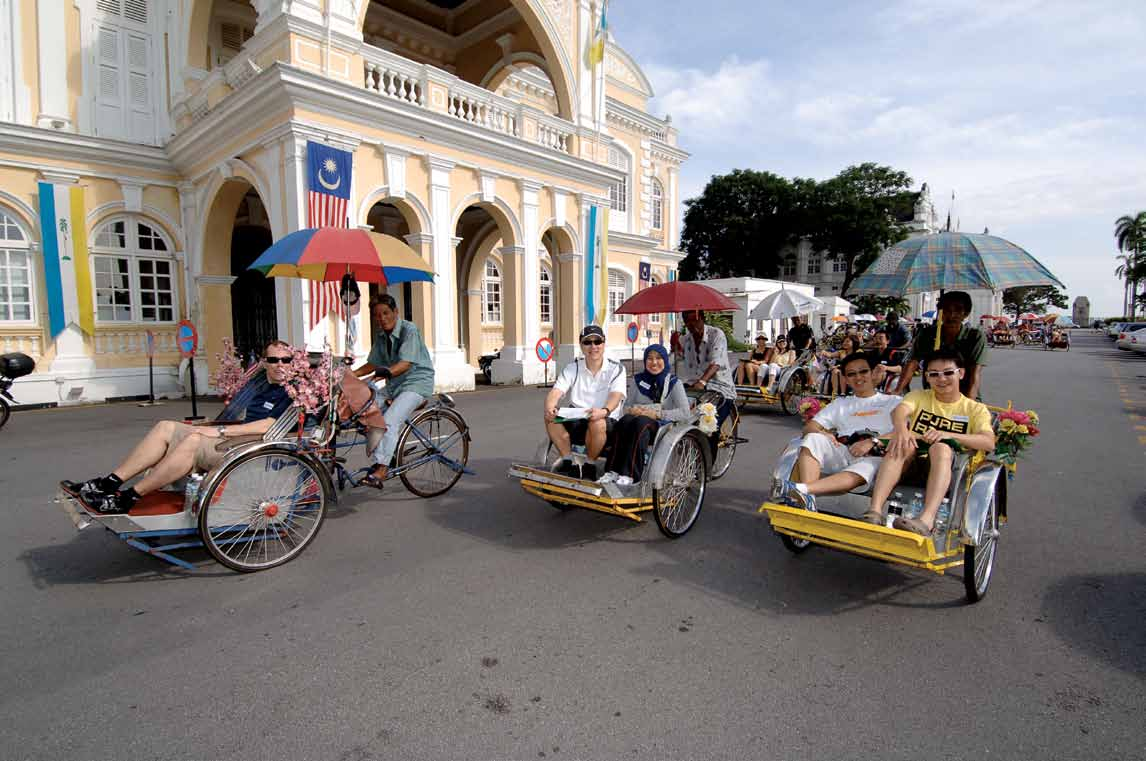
[{"x": 485, "y": 625}]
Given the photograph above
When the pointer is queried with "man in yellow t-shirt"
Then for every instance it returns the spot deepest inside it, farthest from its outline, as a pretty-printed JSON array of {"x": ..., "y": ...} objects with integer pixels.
[{"x": 932, "y": 415}]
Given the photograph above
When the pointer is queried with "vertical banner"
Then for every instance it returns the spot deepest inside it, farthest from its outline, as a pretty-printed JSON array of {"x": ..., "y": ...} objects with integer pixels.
[
  {"x": 644, "y": 277},
  {"x": 67, "y": 272},
  {"x": 603, "y": 268},
  {"x": 328, "y": 172},
  {"x": 590, "y": 267}
]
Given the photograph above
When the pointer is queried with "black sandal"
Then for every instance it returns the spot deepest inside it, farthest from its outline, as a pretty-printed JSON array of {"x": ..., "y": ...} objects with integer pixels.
[{"x": 371, "y": 479}]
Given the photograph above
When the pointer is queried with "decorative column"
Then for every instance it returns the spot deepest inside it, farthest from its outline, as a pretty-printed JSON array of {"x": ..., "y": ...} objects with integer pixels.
[
  {"x": 450, "y": 369},
  {"x": 530, "y": 283},
  {"x": 291, "y": 295},
  {"x": 54, "y": 111},
  {"x": 570, "y": 297},
  {"x": 507, "y": 367},
  {"x": 421, "y": 294}
]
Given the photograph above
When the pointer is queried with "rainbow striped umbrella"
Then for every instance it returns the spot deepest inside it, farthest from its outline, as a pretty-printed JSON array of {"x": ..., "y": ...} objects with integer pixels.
[
  {"x": 328, "y": 253},
  {"x": 951, "y": 261}
]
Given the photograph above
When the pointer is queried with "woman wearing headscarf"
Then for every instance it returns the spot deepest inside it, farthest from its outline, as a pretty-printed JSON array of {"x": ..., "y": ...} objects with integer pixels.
[{"x": 654, "y": 395}]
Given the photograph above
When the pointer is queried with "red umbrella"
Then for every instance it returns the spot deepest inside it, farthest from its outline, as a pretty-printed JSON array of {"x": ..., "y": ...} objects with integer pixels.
[{"x": 677, "y": 296}]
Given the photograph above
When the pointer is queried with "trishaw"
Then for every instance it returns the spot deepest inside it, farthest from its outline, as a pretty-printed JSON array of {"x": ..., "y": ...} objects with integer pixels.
[
  {"x": 265, "y": 502},
  {"x": 1057, "y": 339},
  {"x": 966, "y": 532},
  {"x": 680, "y": 462},
  {"x": 1002, "y": 337},
  {"x": 681, "y": 459},
  {"x": 793, "y": 385}
]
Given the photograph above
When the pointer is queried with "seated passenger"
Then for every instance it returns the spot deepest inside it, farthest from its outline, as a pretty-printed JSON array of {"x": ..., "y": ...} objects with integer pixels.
[
  {"x": 594, "y": 384},
  {"x": 173, "y": 450},
  {"x": 835, "y": 457},
  {"x": 887, "y": 366},
  {"x": 782, "y": 357},
  {"x": 832, "y": 359},
  {"x": 654, "y": 395},
  {"x": 399, "y": 355},
  {"x": 749, "y": 368},
  {"x": 938, "y": 413}
]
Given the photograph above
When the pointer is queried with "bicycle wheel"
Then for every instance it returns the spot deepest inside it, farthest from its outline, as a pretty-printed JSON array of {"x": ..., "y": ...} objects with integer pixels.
[
  {"x": 792, "y": 391},
  {"x": 725, "y": 445},
  {"x": 263, "y": 509},
  {"x": 979, "y": 561},
  {"x": 677, "y": 504},
  {"x": 434, "y": 446},
  {"x": 5, "y": 411}
]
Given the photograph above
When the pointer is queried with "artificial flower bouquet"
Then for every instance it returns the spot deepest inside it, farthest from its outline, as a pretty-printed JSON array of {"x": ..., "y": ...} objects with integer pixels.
[
  {"x": 307, "y": 385},
  {"x": 809, "y": 407},
  {"x": 230, "y": 377},
  {"x": 707, "y": 421},
  {"x": 1014, "y": 432}
]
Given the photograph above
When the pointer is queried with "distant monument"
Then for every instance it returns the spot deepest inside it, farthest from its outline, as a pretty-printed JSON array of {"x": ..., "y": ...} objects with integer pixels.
[{"x": 1081, "y": 314}]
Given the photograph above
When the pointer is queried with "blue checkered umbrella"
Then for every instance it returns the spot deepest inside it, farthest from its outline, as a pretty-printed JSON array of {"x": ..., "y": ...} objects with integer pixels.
[{"x": 951, "y": 261}]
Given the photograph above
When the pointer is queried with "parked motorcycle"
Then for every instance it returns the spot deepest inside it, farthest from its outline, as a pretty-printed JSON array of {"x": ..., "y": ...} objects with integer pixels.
[
  {"x": 12, "y": 366},
  {"x": 485, "y": 364}
]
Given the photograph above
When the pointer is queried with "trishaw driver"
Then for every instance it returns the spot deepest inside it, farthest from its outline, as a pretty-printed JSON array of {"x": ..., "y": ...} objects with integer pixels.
[
  {"x": 705, "y": 366},
  {"x": 173, "y": 449},
  {"x": 399, "y": 356},
  {"x": 969, "y": 343},
  {"x": 595, "y": 384},
  {"x": 935, "y": 415}
]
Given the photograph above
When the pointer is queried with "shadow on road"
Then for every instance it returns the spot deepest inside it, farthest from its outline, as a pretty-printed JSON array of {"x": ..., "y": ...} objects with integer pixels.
[{"x": 1103, "y": 615}]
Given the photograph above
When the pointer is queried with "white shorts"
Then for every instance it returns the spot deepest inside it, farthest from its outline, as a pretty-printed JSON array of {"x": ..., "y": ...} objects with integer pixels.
[{"x": 835, "y": 457}]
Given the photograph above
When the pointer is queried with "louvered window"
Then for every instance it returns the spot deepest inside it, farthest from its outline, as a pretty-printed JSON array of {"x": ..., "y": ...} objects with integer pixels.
[
  {"x": 123, "y": 56},
  {"x": 618, "y": 292}
]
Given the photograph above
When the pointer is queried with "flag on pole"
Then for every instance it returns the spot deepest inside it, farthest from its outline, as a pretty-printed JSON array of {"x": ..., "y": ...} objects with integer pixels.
[
  {"x": 644, "y": 278},
  {"x": 602, "y": 268},
  {"x": 67, "y": 271},
  {"x": 328, "y": 172},
  {"x": 590, "y": 269},
  {"x": 596, "y": 51}
]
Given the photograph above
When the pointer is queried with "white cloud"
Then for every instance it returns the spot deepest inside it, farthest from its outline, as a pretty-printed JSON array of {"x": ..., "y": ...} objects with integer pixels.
[{"x": 707, "y": 105}]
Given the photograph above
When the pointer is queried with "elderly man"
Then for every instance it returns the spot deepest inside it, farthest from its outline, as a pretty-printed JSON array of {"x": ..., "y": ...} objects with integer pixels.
[
  {"x": 596, "y": 385},
  {"x": 399, "y": 356},
  {"x": 705, "y": 366},
  {"x": 173, "y": 450}
]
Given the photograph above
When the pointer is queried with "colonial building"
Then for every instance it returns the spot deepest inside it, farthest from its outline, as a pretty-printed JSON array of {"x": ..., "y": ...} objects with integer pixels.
[{"x": 151, "y": 149}]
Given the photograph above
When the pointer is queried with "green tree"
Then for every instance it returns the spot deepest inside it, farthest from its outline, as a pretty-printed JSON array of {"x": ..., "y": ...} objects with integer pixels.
[
  {"x": 856, "y": 215},
  {"x": 880, "y": 305},
  {"x": 738, "y": 225},
  {"x": 1033, "y": 298},
  {"x": 1130, "y": 237}
]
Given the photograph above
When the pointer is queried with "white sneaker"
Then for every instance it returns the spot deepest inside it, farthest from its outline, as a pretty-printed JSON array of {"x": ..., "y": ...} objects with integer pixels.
[
  {"x": 609, "y": 477},
  {"x": 624, "y": 481}
]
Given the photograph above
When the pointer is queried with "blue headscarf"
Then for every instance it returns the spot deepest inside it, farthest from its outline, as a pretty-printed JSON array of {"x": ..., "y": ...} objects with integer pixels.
[{"x": 653, "y": 386}]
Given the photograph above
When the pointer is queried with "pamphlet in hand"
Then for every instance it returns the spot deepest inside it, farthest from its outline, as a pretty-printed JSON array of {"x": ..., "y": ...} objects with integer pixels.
[{"x": 571, "y": 413}]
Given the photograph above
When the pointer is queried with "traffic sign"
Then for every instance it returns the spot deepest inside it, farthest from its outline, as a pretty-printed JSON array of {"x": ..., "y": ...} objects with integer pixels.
[
  {"x": 187, "y": 338},
  {"x": 544, "y": 349},
  {"x": 633, "y": 332}
]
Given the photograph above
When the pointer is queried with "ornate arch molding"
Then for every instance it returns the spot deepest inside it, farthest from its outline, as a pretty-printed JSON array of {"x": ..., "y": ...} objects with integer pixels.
[
  {"x": 25, "y": 215},
  {"x": 173, "y": 230},
  {"x": 466, "y": 265},
  {"x": 566, "y": 228},
  {"x": 237, "y": 169},
  {"x": 491, "y": 80},
  {"x": 412, "y": 203},
  {"x": 501, "y": 211}
]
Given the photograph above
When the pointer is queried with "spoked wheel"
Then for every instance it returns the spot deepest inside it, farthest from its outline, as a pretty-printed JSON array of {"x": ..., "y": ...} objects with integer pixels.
[
  {"x": 263, "y": 509},
  {"x": 725, "y": 445},
  {"x": 794, "y": 545},
  {"x": 790, "y": 395},
  {"x": 979, "y": 562},
  {"x": 435, "y": 446},
  {"x": 5, "y": 411},
  {"x": 677, "y": 504}
]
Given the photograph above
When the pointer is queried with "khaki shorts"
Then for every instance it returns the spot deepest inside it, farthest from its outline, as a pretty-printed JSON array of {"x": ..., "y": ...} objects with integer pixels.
[{"x": 206, "y": 456}]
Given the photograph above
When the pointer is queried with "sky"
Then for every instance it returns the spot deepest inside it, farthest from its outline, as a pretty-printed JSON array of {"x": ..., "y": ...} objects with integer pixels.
[{"x": 1032, "y": 113}]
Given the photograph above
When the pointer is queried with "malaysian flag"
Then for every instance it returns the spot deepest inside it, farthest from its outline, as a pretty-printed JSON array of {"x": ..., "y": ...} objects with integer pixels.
[
  {"x": 328, "y": 179},
  {"x": 644, "y": 279}
]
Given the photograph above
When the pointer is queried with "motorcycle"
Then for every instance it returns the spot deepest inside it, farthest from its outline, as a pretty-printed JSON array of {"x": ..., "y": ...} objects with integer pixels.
[
  {"x": 485, "y": 364},
  {"x": 12, "y": 366}
]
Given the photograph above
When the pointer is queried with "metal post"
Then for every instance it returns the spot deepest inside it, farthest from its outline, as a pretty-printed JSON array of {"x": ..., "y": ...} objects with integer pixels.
[
  {"x": 150, "y": 379},
  {"x": 194, "y": 407}
]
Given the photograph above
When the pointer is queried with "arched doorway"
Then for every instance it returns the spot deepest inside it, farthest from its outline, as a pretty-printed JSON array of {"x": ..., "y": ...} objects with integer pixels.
[
  {"x": 486, "y": 307},
  {"x": 388, "y": 219},
  {"x": 253, "y": 315}
]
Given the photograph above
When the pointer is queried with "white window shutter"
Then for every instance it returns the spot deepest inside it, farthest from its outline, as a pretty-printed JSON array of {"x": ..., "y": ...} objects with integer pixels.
[
  {"x": 141, "y": 108},
  {"x": 109, "y": 93}
]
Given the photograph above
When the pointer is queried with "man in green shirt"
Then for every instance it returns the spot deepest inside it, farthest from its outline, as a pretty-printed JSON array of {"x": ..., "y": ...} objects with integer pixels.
[
  {"x": 969, "y": 343},
  {"x": 399, "y": 356}
]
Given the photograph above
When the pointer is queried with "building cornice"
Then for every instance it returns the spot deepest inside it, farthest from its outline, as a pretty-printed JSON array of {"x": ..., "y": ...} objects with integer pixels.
[
  {"x": 53, "y": 145},
  {"x": 627, "y": 116}
]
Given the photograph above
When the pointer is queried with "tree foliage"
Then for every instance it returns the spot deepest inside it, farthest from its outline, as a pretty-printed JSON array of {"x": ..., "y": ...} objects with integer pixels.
[
  {"x": 1130, "y": 237},
  {"x": 1033, "y": 299},
  {"x": 880, "y": 305},
  {"x": 743, "y": 222}
]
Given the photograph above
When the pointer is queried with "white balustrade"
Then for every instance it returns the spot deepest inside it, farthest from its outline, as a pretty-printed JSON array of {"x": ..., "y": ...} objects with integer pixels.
[
  {"x": 132, "y": 342},
  {"x": 393, "y": 76},
  {"x": 553, "y": 133},
  {"x": 479, "y": 106},
  {"x": 28, "y": 343}
]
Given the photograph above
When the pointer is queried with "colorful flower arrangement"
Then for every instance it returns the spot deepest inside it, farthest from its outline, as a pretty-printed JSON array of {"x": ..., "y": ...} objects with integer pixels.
[
  {"x": 230, "y": 377},
  {"x": 306, "y": 385},
  {"x": 1014, "y": 430},
  {"x": 707, "y": 421},
  {"x": 809, "y": 407}
]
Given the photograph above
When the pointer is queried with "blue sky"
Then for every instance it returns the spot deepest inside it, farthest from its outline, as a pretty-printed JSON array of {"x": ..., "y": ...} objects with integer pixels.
[{"x": 1031, "y": 112}]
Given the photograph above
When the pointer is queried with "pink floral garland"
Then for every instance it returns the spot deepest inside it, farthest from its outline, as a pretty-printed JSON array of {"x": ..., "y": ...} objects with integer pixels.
[
  {"x": 307, "y": 385},
  {"x": 230, "y": 377}
]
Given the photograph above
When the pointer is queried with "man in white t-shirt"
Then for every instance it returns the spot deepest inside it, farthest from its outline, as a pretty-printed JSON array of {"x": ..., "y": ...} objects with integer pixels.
[
  {"x": 594, "y": 384},
  {"x": 836, "y": 455}
]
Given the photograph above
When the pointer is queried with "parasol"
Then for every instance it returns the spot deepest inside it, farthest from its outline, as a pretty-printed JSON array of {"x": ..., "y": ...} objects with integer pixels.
[
  {"x": 328, "y": 253},
  {"x": 675, "y": 297},
  {"x": 783, "y": 304}
]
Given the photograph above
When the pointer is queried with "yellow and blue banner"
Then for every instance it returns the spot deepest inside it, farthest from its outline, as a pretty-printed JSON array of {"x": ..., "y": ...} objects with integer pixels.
[
  {"x": 67, "y": 270},
  {"x": 603, "y": 268},
  {"x": 596, "y": 49},
  {"x": 597, "y": 266}
]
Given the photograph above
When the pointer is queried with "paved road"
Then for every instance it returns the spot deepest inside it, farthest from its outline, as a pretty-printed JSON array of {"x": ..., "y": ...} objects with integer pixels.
[{"x": 484, "y": 625}]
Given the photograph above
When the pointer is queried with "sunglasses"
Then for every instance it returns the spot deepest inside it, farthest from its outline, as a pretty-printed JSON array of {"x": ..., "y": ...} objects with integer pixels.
[
  {"x": 276, "y": 360},
  {"x": 857, "y": 373},
  {"x": 596, "y": 342},
  {"x": 932, "y": 374}
]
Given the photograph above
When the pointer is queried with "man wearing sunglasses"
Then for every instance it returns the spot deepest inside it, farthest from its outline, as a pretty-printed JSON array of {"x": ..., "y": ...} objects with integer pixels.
[
  {"x": 939, "y": 417},
  {"x": 839, "y": 452},
  {"x": 172, "y": 449},
  {"x": 598, "y": 386},
  {"x": 970, "y": 343}
]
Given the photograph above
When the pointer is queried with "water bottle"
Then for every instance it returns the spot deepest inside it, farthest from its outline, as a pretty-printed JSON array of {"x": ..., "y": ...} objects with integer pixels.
[
  {"x": 895, "y": 507},
  {"x": 943, "y": 516},
  {"x": 915, "y": 509},
  {"x": 191, "y": 491}
]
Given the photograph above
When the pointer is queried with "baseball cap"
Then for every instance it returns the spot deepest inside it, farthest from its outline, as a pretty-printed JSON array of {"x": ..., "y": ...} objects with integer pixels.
[{"x": 592, "y": 330}]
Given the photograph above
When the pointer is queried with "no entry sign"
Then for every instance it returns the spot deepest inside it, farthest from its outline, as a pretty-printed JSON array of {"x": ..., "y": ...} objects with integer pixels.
[
  {"x": 544, "y": 349},
  {"x": 187, "y": 338},
  {"x": 633, "y": 332}
]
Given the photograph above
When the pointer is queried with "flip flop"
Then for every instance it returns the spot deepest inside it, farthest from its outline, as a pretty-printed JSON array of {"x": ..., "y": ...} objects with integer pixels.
[
  {"x": 372, "y": 480},
  {"x": 911, "y": 524},
  {"x": 871, "y": 516}
]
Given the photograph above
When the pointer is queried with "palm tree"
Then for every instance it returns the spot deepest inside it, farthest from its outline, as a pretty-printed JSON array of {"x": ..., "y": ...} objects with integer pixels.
[
  {"x": 1122, "y": 272},
  {"x": 1130, "y": 236}
]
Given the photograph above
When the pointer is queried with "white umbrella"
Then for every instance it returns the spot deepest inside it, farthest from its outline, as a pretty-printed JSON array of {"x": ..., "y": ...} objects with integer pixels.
[
  {"x": 784, "y": 304},
  {"x": 864, "y": 318}
]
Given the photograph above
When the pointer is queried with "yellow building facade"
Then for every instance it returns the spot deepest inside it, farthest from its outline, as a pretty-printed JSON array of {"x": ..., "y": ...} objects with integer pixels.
[{"x": 479, "y": 133}]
